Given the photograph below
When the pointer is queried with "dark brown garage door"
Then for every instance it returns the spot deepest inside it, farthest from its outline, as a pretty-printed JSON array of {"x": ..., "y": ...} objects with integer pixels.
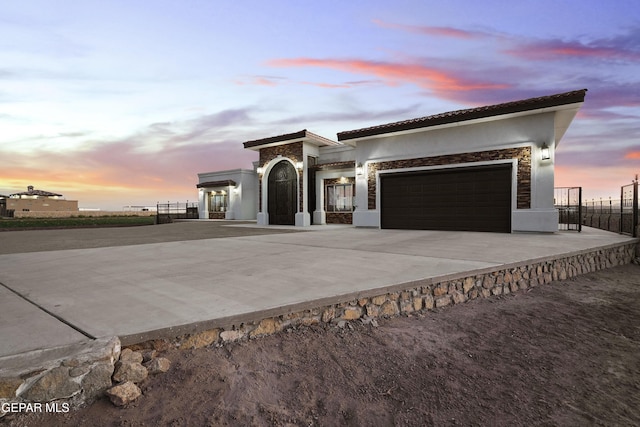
[{"x": 464, "y": 199}]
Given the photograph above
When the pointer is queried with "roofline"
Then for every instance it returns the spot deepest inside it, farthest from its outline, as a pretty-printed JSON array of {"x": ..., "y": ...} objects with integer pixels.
[
  {"x": 525, "y": 106},
  {"x": 40, "y": 193},
  {"x": 222, "y": 183},
  {"x": 303, "y": 135},
  {"x": 227, "y": 171}
]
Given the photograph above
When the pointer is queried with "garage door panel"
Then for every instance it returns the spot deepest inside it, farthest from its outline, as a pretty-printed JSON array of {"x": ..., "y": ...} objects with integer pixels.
[{"x": 469, "y": 199}]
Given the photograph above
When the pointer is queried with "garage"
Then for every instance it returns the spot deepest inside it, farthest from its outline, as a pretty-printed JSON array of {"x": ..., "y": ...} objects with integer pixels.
[{"x": 456, "y": 199}]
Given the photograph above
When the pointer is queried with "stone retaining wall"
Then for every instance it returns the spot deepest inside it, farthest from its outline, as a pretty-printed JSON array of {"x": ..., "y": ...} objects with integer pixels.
[
  {"x": 430, "y": 295},
  {"x": 88, "y": 372},
  {"x": 52, "y": 378}
]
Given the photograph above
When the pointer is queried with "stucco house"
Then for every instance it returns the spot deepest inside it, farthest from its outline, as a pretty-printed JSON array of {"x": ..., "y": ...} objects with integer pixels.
[
  {"x": 481, "y": 169},
  {"x": 230, "y": 194},
  {"x": 39, "y": 201}
]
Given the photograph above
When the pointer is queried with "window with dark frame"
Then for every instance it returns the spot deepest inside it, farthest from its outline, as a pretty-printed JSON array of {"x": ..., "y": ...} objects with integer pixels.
[
  {"x": 218, "y": 201},
  {"x": 339, "y": 198}
]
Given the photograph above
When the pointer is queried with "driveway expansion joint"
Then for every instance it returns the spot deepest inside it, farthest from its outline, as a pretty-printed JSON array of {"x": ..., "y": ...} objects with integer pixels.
[{"x": 61, "y": 319}]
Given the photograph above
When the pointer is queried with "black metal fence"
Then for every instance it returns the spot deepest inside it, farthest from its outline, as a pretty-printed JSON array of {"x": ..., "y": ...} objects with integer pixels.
[
  {"x": 568, "y": 201},
  {"x": 629, "y": 209},
  {"x": 617, "y": 215},
  {"x": 168, "y": 212}
]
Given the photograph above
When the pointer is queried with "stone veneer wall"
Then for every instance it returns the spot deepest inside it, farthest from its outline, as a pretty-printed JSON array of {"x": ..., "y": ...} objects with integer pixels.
[
  {"x": 522, "y": 154},
  {"x": 339, "y": 218},
  {"x": 430, "y": 295},
  {"x": 292, "y": 151},
  {"x": 83, "y": 374}
]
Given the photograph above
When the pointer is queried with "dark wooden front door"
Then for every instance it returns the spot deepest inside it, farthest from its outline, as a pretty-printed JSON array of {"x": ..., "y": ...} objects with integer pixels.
[
  {"x": 464, "y": 199},
  {"x": 282, "y": 194}
]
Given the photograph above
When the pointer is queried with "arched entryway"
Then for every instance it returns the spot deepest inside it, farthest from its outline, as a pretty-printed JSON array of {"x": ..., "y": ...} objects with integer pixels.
[{"x": 282, "y": 189}]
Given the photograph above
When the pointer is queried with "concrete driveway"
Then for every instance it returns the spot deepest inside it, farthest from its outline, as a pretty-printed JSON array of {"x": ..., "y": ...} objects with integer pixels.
[{"x": 146, "y": 290}]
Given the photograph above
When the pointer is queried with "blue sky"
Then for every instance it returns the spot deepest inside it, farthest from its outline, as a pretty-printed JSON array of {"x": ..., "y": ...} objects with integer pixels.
[{"x": 122, "y": 103}]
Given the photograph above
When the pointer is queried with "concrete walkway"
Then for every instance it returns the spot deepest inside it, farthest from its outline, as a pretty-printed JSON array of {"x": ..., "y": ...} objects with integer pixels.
[{"x": 144, "y": 291}]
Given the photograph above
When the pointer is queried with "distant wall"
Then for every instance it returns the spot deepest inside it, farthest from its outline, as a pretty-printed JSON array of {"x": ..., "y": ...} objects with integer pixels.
[
  {"x": 69, "y": 214},
  {"x": 42, "y": 205}
]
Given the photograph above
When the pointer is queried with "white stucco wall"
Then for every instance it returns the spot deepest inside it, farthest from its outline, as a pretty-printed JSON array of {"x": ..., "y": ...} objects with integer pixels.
[
  {"x": 340, "y": 153},
  {"x": 465, "y": 137},
  {"x": 242, "y": 199}
]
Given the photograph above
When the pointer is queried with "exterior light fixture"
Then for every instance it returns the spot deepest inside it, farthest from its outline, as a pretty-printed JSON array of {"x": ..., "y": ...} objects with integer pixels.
[
  {"x": 236, "y": 190},
  {"x": 260, "y": 170},
  {"x": 359, "y": 169},
  {"x": 544, "y": 152},
  {"x": 299, "y": 165}
]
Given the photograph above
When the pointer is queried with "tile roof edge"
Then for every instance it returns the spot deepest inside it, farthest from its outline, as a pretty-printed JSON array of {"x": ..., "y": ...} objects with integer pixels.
[
  {"x": 457, "y": 116},
  {"x": 289, "y": 136}
]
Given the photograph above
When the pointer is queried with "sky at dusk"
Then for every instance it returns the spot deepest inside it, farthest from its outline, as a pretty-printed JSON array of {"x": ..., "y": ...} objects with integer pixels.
[{"x": 117, "y": 103}]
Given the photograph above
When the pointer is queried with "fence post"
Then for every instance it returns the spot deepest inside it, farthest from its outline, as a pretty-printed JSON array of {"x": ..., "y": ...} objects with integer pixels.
[
  {"x": 579, "y": 209},
  {"x": 634, "y": 232},
  {"x": 621, "y": 209}
]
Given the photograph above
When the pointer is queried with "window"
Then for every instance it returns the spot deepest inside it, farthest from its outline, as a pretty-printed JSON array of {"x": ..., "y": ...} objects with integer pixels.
[
  {"x": 218, "y": 201},
  {"x": 339, "y": 198}
]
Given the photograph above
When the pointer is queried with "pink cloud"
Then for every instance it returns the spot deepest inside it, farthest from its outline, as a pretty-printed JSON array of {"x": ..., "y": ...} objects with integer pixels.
[
  {"x": 328, "y": 85},
  {"x": 264, "y": 82},
  {"x": 595, "y": 182},
  {"x": 119, "y": 169},
  {"x": 431, "y": 78},
  {"x": 634, "y": 155},
  {"x": 432, "y": 31},
  {"x": 121, "y": 172},
  {"x": 260, "y": 81},
  {"x": 622, "y": 47},
  {"x": 559, "y": 49}
]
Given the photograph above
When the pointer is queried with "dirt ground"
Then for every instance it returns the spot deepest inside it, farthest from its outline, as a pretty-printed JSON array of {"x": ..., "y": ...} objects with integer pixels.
[{"x": 565, "y": 354}]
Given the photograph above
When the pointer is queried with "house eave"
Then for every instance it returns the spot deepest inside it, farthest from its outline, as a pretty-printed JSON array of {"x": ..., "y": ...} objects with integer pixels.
[
  {"x": 560, "y": 108},
  {"x": 468, "y": 116},
  {"x": 300, "y": 136}
]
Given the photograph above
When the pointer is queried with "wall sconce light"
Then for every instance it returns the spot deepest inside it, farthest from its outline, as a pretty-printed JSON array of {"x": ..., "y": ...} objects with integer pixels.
[
  {"x": 260, "y": 170},
  {"x": 359, "y": 169},
  {"x": 544, "y": 152},
  {"x": 236, "y": 190},
  {"x": 299, "y": 165}
]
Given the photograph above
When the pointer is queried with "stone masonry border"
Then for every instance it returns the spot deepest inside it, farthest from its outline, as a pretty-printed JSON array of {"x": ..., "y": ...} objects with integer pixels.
[
  {"x": 406, "y": 298},
  {"x": 86, "y": 372}
]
